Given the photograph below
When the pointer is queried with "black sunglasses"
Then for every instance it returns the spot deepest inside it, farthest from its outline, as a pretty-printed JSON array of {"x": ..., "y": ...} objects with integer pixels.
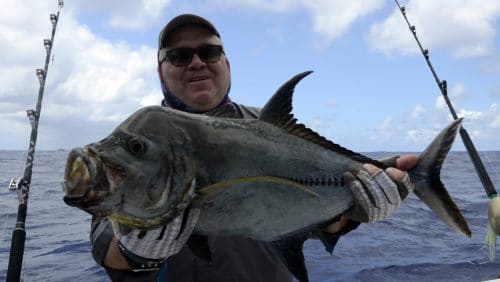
[{"x": 183, "y": 56}]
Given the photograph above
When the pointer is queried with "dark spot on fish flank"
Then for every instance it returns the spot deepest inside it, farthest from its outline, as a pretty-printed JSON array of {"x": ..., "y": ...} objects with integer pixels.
[
  {"x": 330, "y": 182},
  {"x": 316, "y": 182},
  {"x": 342, "y": 183},
  {"x": 335, "y": 181},
  {"x": 323, "y": 182}
]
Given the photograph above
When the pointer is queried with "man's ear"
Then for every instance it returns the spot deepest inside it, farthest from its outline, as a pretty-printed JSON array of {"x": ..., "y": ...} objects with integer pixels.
[{"x": 162, "y": 81}]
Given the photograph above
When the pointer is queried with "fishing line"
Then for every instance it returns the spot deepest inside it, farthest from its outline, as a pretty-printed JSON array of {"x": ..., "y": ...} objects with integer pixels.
[{"x": 488, "y": 160}]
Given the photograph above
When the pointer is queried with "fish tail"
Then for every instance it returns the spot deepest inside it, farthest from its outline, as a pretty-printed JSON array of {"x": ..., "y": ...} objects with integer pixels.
[{"x": 428, "y": 185}]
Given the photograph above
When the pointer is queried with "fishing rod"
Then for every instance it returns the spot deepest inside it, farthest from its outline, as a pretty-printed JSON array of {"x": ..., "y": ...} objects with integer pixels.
[
  {"x": 22, "y": 185},
  {"x": 442, "y": 84},
  {"x": 494, "y": 205}
]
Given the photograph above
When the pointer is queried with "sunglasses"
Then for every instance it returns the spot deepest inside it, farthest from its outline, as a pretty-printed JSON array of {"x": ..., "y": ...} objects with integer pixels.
[{"x": 183, "y": 56}]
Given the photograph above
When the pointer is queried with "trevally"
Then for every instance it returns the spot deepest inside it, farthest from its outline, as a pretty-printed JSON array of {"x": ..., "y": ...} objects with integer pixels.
[{"x": 270, "y": 179}]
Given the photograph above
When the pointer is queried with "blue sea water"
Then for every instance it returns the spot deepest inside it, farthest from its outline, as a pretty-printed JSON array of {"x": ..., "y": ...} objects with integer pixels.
[{"x": 412, "y": 245}]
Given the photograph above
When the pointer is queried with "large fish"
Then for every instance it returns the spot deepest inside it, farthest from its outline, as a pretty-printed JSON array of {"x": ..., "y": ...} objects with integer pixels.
[{"x": 269, "y": 179}]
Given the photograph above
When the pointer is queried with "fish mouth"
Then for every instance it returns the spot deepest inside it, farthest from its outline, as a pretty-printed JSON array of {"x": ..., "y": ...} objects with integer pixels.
[{"x": 89, "y": 179}]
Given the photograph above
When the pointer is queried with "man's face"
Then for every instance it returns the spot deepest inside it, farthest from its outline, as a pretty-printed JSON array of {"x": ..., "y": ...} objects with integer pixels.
[{"x": 199, "y": 85}]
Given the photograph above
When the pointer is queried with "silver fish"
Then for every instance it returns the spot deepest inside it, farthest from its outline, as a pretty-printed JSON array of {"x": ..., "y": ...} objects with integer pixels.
[{"x": 269, "y": 179}]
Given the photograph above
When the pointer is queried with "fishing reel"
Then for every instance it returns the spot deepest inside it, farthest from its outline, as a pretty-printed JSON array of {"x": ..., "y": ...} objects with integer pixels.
[
  {"x": 19, "y": 185},
  {"x": 14, "y": 184}
]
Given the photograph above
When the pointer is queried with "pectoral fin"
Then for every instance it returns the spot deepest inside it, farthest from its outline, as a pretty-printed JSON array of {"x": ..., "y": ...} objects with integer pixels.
[{"x": 217, "y": 187}]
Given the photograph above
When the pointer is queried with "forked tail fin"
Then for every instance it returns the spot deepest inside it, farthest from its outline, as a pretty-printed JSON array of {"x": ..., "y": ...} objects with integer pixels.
[{"x": 428, "y": 185}]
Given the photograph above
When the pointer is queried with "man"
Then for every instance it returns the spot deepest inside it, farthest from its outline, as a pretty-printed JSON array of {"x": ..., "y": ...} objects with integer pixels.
[{"x": 195, "y": 77}]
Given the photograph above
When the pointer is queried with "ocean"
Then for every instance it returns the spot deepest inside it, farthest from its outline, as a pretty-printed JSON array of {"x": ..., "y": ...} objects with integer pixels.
[{"x": 412, "y": 245}]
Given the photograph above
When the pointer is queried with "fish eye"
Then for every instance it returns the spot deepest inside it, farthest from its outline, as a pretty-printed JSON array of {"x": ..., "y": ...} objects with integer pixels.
[{"x": 136, "y": 146}]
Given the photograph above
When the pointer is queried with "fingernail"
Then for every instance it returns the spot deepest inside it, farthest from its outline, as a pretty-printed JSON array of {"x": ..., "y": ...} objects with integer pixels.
[
  {"x": 371, "y": 169},
  {"x": 395, "y": 174}
]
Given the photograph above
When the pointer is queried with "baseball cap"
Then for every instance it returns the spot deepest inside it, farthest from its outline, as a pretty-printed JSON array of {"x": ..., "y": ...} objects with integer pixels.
[{"x": 182, "y": 20}]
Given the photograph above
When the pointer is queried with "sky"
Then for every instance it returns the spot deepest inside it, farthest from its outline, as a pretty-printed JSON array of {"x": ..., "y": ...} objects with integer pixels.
[{"x": 371, "y": 89}]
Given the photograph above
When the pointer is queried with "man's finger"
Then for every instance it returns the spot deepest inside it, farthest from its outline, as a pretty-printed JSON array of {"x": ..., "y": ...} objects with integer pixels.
[
  {"x": 405, "y": 187},
  {"x": 395, "y": 174},
  {"x": 371, "y": 169},
  {"x": 406, "y": 162},
  {"x": 372, "y": 188},
  {"x": 389, "y": 187}
]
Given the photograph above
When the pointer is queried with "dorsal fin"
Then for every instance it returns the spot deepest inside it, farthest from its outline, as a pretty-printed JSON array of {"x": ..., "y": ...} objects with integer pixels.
[{"x": 278, "y": 111}]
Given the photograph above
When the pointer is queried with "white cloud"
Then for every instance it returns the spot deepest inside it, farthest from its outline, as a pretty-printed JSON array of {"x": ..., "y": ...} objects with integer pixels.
[
  {"x": 384, "y": 131},
  {"x": 272, "y": 5},
  {"x": 421, "y": 136},
  {"x": 151, "y": 99},
  {"x": 494, "y": 117},
  {"x": 333, "y": 18},
  {"x": 471, "y": 115},
  {"x": 458, "y": 91},
  {"x": 413, "y": 135},
  {"x": 98, "y": 76},
  {"x": 138, "y": 14},
  {"x": 385, "y": 125},
  {"x": 483, "y": 125},
  {"x": 440, "y": 104},
  {"x": 92, "y": 83},
  {"x": 466, "y": 27},
  {"x": 418, "y": 111},
  {"x": 330, "y": 18},
  {"x": 319, "y": 123},
  {"x": 496, "y": 122},
  {"x": 126, "y": 15}
]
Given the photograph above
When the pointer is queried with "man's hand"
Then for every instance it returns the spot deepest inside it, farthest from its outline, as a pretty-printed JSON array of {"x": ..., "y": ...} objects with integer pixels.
[
  {"x": 378, "y": 193},
  {"x": 154, "y": 246}
]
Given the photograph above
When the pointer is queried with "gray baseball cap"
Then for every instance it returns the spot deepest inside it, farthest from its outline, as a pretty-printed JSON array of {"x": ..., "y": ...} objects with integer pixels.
[{"x": 182, "y": 20}]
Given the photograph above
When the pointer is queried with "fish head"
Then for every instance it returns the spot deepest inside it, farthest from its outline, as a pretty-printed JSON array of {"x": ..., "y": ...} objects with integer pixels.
[{"x": 142, "y": 175}]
